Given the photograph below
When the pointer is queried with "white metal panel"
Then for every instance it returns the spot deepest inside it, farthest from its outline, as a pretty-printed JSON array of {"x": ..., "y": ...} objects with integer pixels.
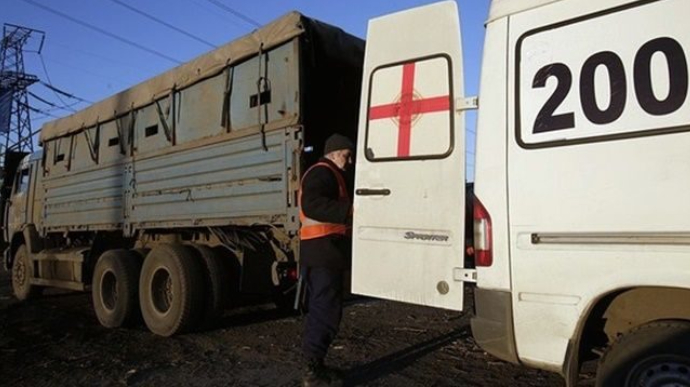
[
  {"x": 409, "y": 203},
  {"x": 590, "y": 183},
  {"x": 503, "y": 8},
  {"x": 491, "y": 171}
]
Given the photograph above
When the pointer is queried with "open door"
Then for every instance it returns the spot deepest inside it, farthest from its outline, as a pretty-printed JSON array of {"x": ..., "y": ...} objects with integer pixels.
[{"x": 410, "y": 179}]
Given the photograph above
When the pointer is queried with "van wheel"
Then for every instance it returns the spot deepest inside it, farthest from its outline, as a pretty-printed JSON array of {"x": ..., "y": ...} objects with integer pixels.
[
  {"x": 216, "y": 284},
  {"x": 22, "y": 272},
  {"x": 655, "y": 354},
  {"x": 171, "y": 290},
  {"x": 115, "y": 288}
]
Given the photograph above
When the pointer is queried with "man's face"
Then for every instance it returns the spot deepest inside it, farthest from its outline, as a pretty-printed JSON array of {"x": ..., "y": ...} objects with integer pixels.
[{"x": 342, "y": 158}]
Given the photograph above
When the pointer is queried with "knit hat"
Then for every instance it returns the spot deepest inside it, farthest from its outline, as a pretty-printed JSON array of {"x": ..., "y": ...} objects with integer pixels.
[{"x": 337, "y": 142}]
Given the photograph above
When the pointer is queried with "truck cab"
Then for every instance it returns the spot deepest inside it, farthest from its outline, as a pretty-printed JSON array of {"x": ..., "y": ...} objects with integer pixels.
[{"x": 20, "y": 191}]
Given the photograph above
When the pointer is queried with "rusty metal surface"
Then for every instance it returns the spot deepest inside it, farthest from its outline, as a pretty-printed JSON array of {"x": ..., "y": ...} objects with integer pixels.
[
  {"x": 225, "y": 180},
  {"x": 85, "y": 200}
]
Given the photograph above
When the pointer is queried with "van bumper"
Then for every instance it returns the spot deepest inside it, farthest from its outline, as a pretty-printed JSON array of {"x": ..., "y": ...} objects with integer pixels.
[{"x": 492, "y": 324}]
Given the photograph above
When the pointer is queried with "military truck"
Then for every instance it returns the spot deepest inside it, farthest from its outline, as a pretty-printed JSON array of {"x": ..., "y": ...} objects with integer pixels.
[{"x": 171, "y": 197}]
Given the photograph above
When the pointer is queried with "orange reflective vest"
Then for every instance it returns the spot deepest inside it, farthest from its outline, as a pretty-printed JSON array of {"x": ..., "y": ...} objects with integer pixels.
[{"x": 312, "y": 228}]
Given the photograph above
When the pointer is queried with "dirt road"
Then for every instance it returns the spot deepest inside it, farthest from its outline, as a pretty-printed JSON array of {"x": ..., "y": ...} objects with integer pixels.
[{"x": 57, "y": 341}]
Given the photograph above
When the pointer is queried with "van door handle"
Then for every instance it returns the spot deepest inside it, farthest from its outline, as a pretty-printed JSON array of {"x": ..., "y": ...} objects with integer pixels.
[{"x": 373, "y": 192}]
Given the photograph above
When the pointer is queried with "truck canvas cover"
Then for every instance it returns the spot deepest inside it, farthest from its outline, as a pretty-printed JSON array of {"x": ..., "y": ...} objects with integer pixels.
[
  {"x": 221, "y": 140},
  {"x": 328, "y": 41}
]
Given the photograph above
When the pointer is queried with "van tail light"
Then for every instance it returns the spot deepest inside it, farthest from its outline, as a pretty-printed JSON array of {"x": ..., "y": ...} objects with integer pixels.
[{"x": 483, "y": 238}]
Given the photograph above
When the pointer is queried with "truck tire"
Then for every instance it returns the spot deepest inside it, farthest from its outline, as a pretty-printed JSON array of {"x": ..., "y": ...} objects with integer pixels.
[
  {"x": 216, "y": 284},
  {"x": 233, "y": 271},
  {"x": 115, "y": 288},
  {"x": 141, "y": 253},
  {"x": 22, "y": 272},
  {"x": 653, "y": 354},
  {"x": 171, "y": 289},
  {"x": 284, "y": 300}
]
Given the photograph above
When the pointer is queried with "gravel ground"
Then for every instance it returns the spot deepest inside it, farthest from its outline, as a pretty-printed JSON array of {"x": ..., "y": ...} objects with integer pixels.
[{"x": 56, "y": 340}]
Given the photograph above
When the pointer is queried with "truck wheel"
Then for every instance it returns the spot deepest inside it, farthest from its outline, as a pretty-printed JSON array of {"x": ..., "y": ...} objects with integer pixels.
[
  {"x": 216, "y": 280},
  {"x": 171, "y": 290},
  {"x": 655, "y": 354},
  {"x": 115, "y": 288},
  {"x": 284, "y": 300},
  {"x": 233, "y": 270},
  {"x": 285, "y": 287},
  {"x": 141, "y": 253},
  {"x": 22, "y": 272}
]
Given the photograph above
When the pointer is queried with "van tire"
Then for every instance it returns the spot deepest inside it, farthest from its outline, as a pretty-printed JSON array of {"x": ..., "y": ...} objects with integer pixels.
[
  {"x": 647, "y": 354},
  {"x": 216, "y": 284},
  {"x": 171, "y": 289},
  {"x": 22, "y": 272},
  {"x": 115, "y": 288}
]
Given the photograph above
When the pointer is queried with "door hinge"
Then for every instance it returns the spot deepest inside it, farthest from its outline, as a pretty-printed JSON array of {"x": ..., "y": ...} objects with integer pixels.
[
  {"x": 468, "y": 103},
  {"x": 465, "y": 275}
]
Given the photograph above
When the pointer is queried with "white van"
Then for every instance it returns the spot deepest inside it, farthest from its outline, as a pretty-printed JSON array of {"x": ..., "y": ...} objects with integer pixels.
[{"x": 581, "y": 217}]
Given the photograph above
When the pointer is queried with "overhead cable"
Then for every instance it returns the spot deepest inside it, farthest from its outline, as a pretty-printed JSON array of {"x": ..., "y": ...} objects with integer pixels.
[
  {"x": 213, "y": 11},
  {"x": 237, "y": 14},
  {"x": 159, "y": 21},
  {"x": 102, "y": 31},
  {"x": 45, "y": 101},
  {"x": 35, "y": 110},
  {"x": 45, "y": 70},
  {"x": 66, "y": 94}
]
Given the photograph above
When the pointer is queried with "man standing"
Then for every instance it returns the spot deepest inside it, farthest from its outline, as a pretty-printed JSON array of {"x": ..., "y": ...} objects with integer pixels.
[{"x": 326, "y": 217}]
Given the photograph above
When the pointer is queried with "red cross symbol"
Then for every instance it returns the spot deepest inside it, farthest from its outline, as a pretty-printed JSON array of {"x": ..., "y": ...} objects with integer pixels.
[{"x": 408, "y": 108}]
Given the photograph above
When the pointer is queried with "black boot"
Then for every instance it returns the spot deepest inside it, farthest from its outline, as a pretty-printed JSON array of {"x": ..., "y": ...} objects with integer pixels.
[{"x": 318, "y": 375}]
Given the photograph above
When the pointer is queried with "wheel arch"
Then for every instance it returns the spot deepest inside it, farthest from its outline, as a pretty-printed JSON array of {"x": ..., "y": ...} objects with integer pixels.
[
  {"x": 618, "y": 312},
  {"x": 29, "y": 236}
]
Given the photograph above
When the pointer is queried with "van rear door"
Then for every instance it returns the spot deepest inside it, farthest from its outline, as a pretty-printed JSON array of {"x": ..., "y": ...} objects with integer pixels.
[{"x": 410, "y": 179}]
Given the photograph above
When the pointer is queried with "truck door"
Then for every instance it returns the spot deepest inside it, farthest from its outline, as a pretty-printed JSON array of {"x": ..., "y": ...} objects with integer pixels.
[
  {"x": 17, "y": 211},
  {"x": 12, "y": 163},
  {"x": 409, "y": 200}
]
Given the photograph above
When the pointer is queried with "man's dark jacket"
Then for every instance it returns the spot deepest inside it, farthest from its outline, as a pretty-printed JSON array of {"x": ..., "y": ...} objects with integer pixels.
[{"x": 320, "y": 193}]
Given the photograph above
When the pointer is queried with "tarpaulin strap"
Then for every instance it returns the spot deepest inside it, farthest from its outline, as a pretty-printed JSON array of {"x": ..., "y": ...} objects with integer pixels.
[
  {"x": 69, "y": 155},
  {"x": 173, "y": 110},
  {"x": 93, "y": 145},
  {"x": 225, "y": 115},
  {"x": 164, "y": 121},
  {"x": 120, "y": 133},
  {"x": 130, "y": 130},
  {"x": 258, "y": 96}
]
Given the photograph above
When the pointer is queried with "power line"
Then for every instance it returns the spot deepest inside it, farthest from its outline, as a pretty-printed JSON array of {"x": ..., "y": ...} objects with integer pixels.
[
  {"x": 102, "y": 31},
  {"x": 159, "y": 21},
  {"x": 107, "y": 59},
  {"x": 45, "y": 101},
  {"x": 238, "y": 14},
  {"x": 87, "y": 71},
  {"x": 39, "y": 111},
  {"x": 66, "y": 94},
  {"x": 212, "y": 11},
  {"x": 45, "y": 70}
]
